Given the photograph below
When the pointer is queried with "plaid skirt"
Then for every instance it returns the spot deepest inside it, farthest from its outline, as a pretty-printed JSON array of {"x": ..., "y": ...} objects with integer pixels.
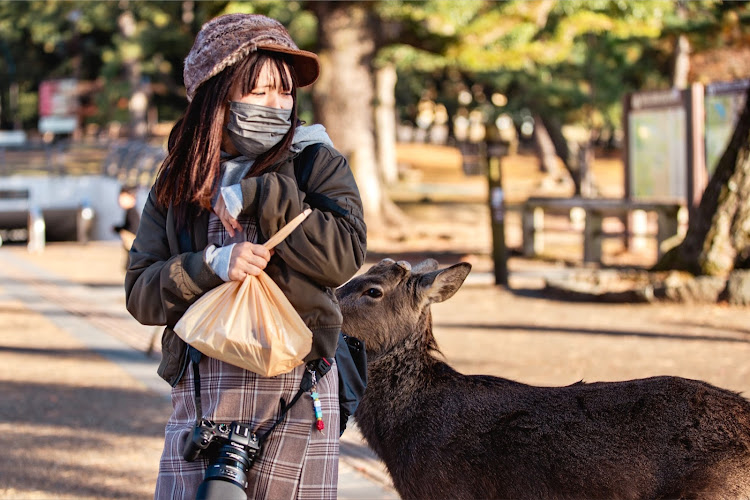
[{"x": 296, "y": 461}]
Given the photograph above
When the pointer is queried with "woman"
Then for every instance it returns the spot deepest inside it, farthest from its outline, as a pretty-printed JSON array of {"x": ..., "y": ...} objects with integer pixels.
[{"x": 226, "y": 186}]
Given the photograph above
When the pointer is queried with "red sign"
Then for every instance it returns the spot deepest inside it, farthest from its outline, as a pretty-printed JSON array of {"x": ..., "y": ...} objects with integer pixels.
[
  {"x": 58, "y": 98},
  {"x": 58, "y": 106}
]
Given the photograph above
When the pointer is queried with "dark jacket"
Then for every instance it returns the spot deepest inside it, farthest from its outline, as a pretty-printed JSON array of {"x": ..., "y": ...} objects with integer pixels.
[{"x": 168, "y": 270}]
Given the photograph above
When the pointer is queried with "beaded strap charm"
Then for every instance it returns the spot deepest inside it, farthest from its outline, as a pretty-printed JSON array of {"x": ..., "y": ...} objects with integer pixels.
[
  {"x": 319, "y": 424},
  {"x": 318, "y": 412}
]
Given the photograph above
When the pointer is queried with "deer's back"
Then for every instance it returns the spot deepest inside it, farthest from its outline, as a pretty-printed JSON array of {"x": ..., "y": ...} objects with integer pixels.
[{"x": 492, "y": 437}]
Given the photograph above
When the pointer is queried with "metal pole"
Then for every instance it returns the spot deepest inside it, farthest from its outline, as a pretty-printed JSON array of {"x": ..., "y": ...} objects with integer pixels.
[
  {"x": 495, "y": 151},
  {"x": 37, "y": 230}
]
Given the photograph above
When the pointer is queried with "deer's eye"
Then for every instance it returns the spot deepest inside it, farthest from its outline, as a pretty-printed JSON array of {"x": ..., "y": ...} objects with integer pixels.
[{"x": 375, "y": 293}]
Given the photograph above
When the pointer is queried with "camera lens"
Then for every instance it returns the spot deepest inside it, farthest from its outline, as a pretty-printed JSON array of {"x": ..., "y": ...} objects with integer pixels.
[
  {"x": 226, "y": 476},
  {"x": 220, "y": 490}
]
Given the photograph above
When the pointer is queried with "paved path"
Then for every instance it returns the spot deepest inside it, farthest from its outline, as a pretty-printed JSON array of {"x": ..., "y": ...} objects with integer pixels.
[{"x": 93, "y": 318}]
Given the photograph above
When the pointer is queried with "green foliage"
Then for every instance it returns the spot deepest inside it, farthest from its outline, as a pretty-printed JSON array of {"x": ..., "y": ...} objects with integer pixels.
[
  {"x": 575, "y": 62},
  {"x": 444, "y": 17},
  {"x": 82, "y": 39},
  {"x": 407, "y": 57},
  {"x": 570, "y": 59}
]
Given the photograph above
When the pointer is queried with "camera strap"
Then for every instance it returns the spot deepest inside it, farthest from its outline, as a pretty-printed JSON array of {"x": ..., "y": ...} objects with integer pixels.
[
  {"x": 314, "y": 370},
  {"x": 195, "y": 359}
]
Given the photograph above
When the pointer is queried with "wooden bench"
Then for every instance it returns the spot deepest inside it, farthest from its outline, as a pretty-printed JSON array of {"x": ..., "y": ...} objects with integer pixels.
[
  {"x": 595, "y": 209},
  {"x": 19, "y": 215}
]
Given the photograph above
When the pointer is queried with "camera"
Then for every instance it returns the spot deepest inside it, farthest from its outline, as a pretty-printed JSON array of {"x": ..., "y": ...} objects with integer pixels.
[{"x": 231, "y": 450}]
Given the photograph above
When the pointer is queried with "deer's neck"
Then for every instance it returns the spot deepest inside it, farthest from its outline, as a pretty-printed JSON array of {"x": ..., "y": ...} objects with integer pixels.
[
  {"x": 409, "y": 365},
  {"x": 405, "y": 369},
  {"x": 398, "y": 383}
]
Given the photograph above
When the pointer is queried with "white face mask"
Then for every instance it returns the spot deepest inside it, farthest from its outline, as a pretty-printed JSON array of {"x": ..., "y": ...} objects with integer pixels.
[{"x": 255, "y": 129}]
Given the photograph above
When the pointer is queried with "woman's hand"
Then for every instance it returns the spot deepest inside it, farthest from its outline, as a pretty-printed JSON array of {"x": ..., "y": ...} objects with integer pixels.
[
  {"x": 248, "y": 259},
  {"x": 229, "y": 222}
]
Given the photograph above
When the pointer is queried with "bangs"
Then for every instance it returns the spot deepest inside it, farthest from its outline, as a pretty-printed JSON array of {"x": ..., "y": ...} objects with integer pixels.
[{"x": 281, "y": 72}]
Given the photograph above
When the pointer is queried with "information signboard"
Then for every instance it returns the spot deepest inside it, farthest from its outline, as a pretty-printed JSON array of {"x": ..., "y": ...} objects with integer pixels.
[
  {"x": 664, "y": 159},
  {"x": 657, "y": 145},
  {"x": 724, "y": 102}
]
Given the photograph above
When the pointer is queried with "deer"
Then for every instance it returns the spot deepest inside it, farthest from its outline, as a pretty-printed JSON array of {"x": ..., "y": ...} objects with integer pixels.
[{"x": 442, "y": 434}]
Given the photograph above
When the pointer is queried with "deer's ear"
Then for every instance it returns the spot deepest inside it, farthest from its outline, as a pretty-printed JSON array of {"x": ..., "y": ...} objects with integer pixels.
[{"x": 438, "y": 286}]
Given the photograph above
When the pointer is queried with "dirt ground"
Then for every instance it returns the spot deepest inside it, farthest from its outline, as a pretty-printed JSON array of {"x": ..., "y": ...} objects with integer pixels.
[
  {"x": 112, "y": 451},
  {"x": 516, "y": 332},
  {"x": 51, "y": 450},
  {"x": 512, "y": 332},
  {"x": 538, "y": 341}
]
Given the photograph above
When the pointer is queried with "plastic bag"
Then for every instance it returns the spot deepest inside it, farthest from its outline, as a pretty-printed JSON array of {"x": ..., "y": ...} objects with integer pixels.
[{"x": 249, "y": 323}]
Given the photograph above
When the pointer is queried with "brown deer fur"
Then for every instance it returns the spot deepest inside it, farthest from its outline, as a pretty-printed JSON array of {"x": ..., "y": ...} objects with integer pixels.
[{"x": 442, "y": 434}]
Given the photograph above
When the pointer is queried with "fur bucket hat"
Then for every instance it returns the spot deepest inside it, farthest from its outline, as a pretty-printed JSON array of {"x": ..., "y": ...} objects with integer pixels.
[{"x": 226, "y": 40}]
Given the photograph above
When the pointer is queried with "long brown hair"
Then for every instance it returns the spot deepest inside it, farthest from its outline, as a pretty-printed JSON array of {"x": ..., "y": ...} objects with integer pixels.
[{"x": 188, "y": 177}]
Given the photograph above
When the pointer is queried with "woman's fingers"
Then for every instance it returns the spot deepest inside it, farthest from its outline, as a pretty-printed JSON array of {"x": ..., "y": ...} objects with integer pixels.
[
  {"x": 247, "y": 259},
  {"x": 261, "y": 251},
  {"x": 229, "y": 222}
]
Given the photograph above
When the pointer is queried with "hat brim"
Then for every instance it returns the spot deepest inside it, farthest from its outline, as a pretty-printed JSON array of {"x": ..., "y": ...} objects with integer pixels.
[{"x": 306, "y": 64}]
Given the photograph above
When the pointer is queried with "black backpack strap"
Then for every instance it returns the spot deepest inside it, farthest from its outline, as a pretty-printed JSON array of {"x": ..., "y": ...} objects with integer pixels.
[
  {"x": 351, "y": 361},
  {"x": 195, "y": 358},
  {"x": 303, "y": 164}
]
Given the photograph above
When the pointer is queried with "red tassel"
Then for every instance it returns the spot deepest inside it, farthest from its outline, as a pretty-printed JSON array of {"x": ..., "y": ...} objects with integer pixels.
[{"x": 320, "y": 425}]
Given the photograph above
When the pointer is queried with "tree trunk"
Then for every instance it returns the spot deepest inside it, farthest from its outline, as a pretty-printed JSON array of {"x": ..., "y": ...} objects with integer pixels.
[
  {"x": 718, "y": 235},
  {"x": 681, "y": 60},
  {"x": 385, "y": 121},
  {"x": 343, "y": 97},
  {"x": 551, "y": 146},
  {"x": 138, "y": 103},
  {"x": 545, "y": 149},
  {"x": 681, "y": 66},
  {"x": 585, "y": 163}
]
